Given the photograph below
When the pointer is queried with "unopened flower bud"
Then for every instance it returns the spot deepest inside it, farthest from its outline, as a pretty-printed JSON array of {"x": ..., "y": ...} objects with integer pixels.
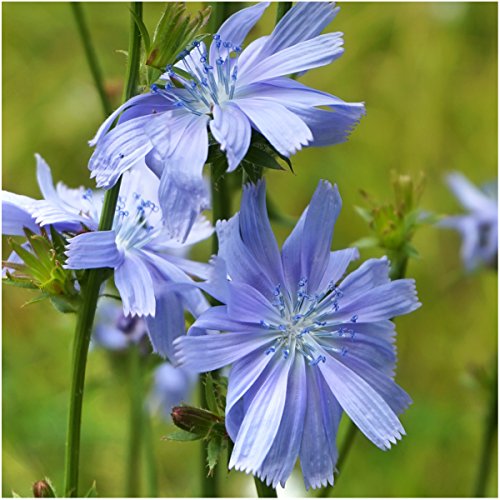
[
  {"x": 43, "y": 489},
  {"x": 196, "y": 420}
]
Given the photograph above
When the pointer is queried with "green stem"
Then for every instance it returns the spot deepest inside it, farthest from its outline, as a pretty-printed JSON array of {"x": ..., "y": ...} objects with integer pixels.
[
  {"x": 90, "y": 294},
  {"x": 152, "y": 474},
  {"x": 488, "y": 443},
  {"x": 90, "y": 54},
  {"x": 135, "y": 430},
  {"x": 282, "y": 9},
  {"x": 264, "y": 491}
]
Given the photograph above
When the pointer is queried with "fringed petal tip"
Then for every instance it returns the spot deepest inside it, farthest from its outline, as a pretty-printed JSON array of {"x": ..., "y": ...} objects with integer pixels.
[{"x": 317, "y": 482}]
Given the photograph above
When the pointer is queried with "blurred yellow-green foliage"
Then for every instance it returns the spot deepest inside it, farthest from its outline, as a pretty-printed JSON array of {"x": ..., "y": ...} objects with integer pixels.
[{"x": 428, "y": 75}]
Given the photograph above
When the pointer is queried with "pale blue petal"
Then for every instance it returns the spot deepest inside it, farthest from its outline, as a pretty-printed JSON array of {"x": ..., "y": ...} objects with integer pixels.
[
  {"x": 318, "y": 452},
  {"x": 217, "y": 318},
  {"x": 280, "y": 126},
  {"x": 93, "y": 250},
  {"x": 469, "y": 195},
  {"x": 242, "y": 377},
  {"x": 16, "y": 214},
  {"x": 332, "y": 126},
  {"x": 236, "y": 28},
  {"x": 280, "y": 461},
  {"x": 183, "y": 193},
  {"x": 167, "y": 324},
  {"x": 366, "y": 408},
  {"x": 305, "y": 55},
  {"x": 382, "y": 302},
  {"x": 249, "y": 305},
  {"x": 337, "y": 265},
  {"x": 262, "y": 420},
  {"x": 135, "y": 284},
  {"x": 318, "y": 233},
  {"x": 241, "y": 265},
  {"x": 257, "y": 233},
  {"x": 305, "y": 20},
  {"x": 372, "y": 273},
  {"x": 232, "y": 130},
  {"x": 212, "y": 351},
  {"x": 44, "y": 178}
]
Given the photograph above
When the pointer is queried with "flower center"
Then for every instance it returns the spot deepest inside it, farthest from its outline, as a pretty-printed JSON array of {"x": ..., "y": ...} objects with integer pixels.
[
  {"x": 309, "y": 326},
  {"x": 133, "y": 229},
  {"x": 195, "y": 84}
]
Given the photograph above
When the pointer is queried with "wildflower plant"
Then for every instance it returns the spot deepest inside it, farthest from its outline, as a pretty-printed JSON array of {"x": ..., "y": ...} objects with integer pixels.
[{"x": 303, "y": 337}]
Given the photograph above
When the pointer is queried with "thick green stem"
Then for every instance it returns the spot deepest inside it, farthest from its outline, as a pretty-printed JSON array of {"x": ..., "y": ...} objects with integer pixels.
[
  {"x": 90, "y": 294},
  {"x": 90, "y": 54},
  {"x": 264, "y": 491},
  {"x": 135, "y": 423},
  {"x": 489, "y": 435},
  {"x": 282, "y": 9}
]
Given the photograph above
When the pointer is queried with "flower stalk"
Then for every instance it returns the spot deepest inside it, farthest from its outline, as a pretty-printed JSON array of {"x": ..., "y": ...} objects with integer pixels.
[{"x": 90, "y": 294}]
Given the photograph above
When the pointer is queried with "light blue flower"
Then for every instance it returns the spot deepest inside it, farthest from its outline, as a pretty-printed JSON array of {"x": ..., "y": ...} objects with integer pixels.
[
  {"x": 479, "y": 227},
  {"x": 171, "y": 387},
  {"x": 67, "y": 209},
  {"x": 228, "y": 91},
  {"x": 304, "y": 342}
]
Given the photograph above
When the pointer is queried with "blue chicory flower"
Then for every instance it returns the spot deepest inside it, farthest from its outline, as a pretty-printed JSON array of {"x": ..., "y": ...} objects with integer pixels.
[
  {"x": 304, "y": 344},
  {"x": 151, "y": 275},
  {"x": 229, "y": 91},
  {"x": 479, "y": 227}
]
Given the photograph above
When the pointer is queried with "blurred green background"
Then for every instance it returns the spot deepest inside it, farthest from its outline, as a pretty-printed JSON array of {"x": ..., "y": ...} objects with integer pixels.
[{"x": 428, "y": 75}]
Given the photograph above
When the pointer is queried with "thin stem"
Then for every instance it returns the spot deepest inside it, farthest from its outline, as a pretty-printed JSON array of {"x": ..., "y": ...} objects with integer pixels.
[
  {"x": 490, "y": 432},
  {"x": 264, "y": 491},
  {"x": 90, "y": 54},
  {"x": 283, "y": 8},
  {"x": 136, "y": 411},
  {"x": 152, "y": 474},
  {"x": 90, "y": 294}
]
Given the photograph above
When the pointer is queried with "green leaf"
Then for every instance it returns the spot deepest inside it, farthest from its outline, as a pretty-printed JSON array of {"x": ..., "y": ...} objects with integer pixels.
[
  {"x": 215, "y": 447},
  {"x": 210, "y": 393},
  {"x": 366, "y": 242},
  {"x": 261, "y": 158},
  {"x": 181, "y": 435},
  {"x": 365, "y": 214}
]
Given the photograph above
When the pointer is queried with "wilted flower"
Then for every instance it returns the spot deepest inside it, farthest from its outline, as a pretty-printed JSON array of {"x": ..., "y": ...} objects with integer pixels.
[
  {"x": 304, "y": 343},
  {"x": 230, "y": 92},
  {"x": 479, "y": 228}
]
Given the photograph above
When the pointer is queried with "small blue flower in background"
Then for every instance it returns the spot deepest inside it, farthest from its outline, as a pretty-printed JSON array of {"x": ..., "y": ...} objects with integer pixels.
[
  {"x": 304, "y": 344},
  {"x": 230, "y": 91},
  {"x": 113, "y": 330},
  {"x": 116, "y": 332},
  {"x": 171, "y": 387},
  {"x": 479, "y": 227}
]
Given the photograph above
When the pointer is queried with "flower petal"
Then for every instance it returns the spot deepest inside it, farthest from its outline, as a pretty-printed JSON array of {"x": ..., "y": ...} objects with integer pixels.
[
  {"x": 262, "y": 420},
  {"x": 212, "y": 351},
  {"x": 337, "y": 265},
  {"x": 16, "y": 214},
  {"x": 280, "y": 461},
  {"x": 305, "y": 55},
  {"x": 372, "y": 273},
  {"x": 366, "y": 408},
  {"x": 318, "y": 452},
  {"x": 469, "y": 195},
  {"x": 183, "y": 194},
  {"x": 44, "y": 178},
  {"x": 281, "y": 127},
  {"x": 232, "y": 130},
  {"x": 236, "y": 28},
  {"x": 257, "y": 233},
  {"x": 167, "y": 324},
  {"x": 93, "y": 251},
  {"x": 135, "y": 284}
]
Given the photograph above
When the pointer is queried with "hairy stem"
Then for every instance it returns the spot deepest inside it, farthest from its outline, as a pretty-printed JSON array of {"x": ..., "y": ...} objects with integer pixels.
[
  {"x": 151, "y": 472},
  {"x": 90, "y": 294}
]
